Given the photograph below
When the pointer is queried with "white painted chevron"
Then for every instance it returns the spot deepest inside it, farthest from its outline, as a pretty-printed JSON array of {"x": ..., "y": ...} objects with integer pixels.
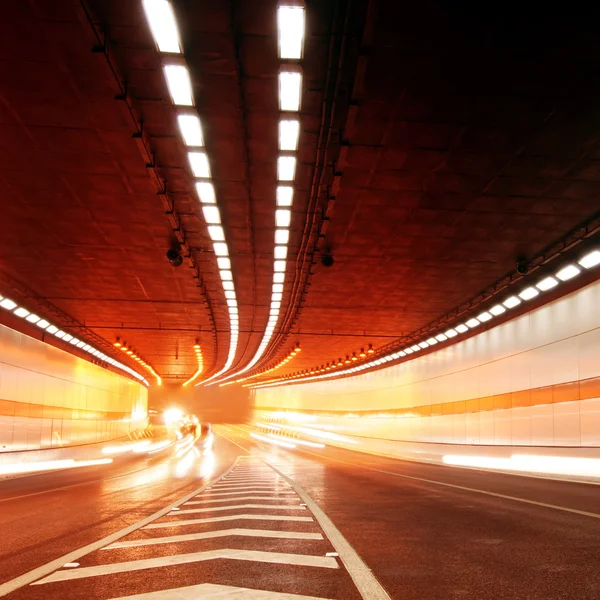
[
  {"x": 205, "y": 535},
  {"x": 188, "y": 511},
  {"x": 303, "y": 560},
  {"x": 211, "y": 591},
  {"x": 244, "y": 517}
]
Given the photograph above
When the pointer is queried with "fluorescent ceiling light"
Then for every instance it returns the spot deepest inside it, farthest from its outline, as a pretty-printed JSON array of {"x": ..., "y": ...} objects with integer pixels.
[
  {"x": 191, "y": 130},
  {"x": 8, "y": 304},
  {"x": 220, "y": 249},
  {"x": 408, "y": 350},
  {"x": 278, "y": 277},
  {"x": 163, "y": 25},
  {"x": 432, "y": 341},
  {"x": 216, "y": 233},
  {"x": 283, "y": 217},
  {"x": 21, "y": 312},
  {"x": 281, "y": 252},
  {"x": 230, "y": 294},
  {"x": 285, "y": 195},
  {"x": 441, "y": 337},
  {"x": 277, "y": 288},
  {"x": 282, "y": 236},
  {"x": 528, "y": 293},
  {"x": 179, "y": 84},
  {"x": 472, "y": 322},
  {"x": 290, "y": 31},
  {"x": 461, "y": 328},
  {"x": 497, "y": 310},
  {"x": 228, "y": 285},
  {"x": 60, "y": 334},
  {"x": 224, "y": 263},
  {"x": 286, "y": 168},
  {"x": 226, "y": 275},
  {"x": 546, "y": 284},
  {"x": 511, "y": 302},
  {"x": 424, "y": 345},
  {"x": 206, "y": 192},
  {"x": 568, "y": 272},
  {"x": 484, "y": 316},
  {"x": 415, "y": 348},
  {"x": 43, "y": 324},
  {"x": 67, "y": 337},
  {"x": 33, "y": 318},
  {"x": 450, "y": 333},
  {"x": 231, "y": 302},
  {"x": 290, "y": 86},
  {"x": 289, "y": 131},
  {"x": 211, "y": 214},
  {"x": 80, "y": 344},
  {"x": 276, "y": 304},
  {"x": 591, "y": 259},
  {"x": 73, "y": 341},
  {"x": 199, "y": 164},
  {"x": 277, "y": 297},
  {"x": 279, "y": 266}
]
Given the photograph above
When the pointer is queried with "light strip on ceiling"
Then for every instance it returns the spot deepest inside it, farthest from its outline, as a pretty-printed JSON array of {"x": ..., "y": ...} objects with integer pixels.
[
  {"x": 20, "y": 311},
  {"x": 161, "y": 20},
  {"x": 200, "y": 361},
  {"x": 588, "y": 261},
  {"x": 290, "y": 31},
  {"x": 180, "y": 88}
]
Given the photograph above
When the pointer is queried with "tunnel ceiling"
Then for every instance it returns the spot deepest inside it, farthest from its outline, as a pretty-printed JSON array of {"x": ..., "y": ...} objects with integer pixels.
[{"x": 437, "y": 146}]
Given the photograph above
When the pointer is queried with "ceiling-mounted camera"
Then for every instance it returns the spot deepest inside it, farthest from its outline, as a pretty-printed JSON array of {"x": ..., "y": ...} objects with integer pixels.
[{"x": 174, "y": 256}]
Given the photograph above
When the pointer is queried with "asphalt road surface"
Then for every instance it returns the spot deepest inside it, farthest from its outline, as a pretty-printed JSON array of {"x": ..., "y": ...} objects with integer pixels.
[{"x": 249, "y": 519}]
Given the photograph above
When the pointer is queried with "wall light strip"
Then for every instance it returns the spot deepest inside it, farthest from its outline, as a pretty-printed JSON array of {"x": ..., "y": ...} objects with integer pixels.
[
  {"x": 590, "y": 260},
  {"x": 20, "y": 311}
]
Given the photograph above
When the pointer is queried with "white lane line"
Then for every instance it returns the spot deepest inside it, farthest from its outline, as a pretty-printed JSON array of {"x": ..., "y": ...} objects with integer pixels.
[
  {"x": 238, "y": 499},
  {"x": 280, "y": 558},
  {"x": 206, "y": 535},
  {"x": 365, "y": 581},
  {"x": 583, "y": 513},
  {"x": 240, "y": 506},
  {"x": 211, "y": 591},
  {"x": 30, "y": 576},
  {"x": 244, "y": 517},
  {"x": 212, "y": 494},
  {"x": 574, "y": 511}
]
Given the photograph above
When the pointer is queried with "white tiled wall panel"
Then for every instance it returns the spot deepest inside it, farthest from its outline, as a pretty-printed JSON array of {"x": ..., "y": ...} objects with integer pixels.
[{"x": 557, "y": 343}]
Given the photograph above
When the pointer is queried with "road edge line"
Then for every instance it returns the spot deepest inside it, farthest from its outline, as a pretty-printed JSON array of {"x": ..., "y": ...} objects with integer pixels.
[{"x": 57, "y": 563}]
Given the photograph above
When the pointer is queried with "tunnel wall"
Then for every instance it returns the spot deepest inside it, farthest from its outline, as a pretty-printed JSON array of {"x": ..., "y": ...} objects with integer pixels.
[
  {"x": 49, "y": 397},
  {"x": 532, "y": 381}
]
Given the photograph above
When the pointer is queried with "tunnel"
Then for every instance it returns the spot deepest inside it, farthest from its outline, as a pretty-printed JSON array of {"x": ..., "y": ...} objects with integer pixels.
[{"x": 299, "y": 300}]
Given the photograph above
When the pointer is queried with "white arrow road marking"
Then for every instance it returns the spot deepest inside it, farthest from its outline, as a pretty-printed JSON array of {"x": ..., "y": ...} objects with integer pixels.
[
  {"x": 237, "y": 499},
  {"x": 244, "y": 517},
  {"x": 261, "y": 533},
  {"x": 242, "y": 491},
  {"x": 279, "y": 558},
  {"x": 210, "y": 591},
  {"x": 189, "y": 511}
]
